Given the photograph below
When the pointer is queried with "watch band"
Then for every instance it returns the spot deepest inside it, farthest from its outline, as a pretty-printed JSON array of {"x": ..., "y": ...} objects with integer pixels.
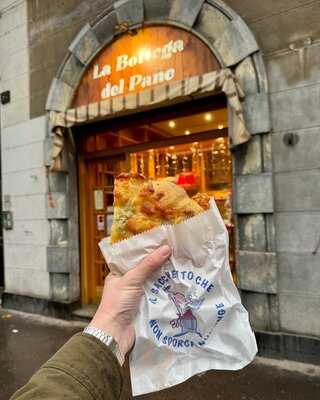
[{"x": 108, "y": 340}]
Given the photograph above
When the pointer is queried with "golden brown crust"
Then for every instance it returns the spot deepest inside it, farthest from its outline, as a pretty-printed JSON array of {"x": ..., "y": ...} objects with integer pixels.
[
  {"x": 141, "y": 205},
  {"x": 203, "y": 200},
  {"x": 126, "y": 186}
]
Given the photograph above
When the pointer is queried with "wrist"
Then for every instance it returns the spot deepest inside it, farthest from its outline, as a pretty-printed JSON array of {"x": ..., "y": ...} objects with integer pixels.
[
  {"x": 111, "y": 327},
  {"x": 107, "y": 340}
]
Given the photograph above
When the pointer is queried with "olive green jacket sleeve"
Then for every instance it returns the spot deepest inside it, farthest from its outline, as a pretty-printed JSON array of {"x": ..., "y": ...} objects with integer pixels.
[{"x": 84, "y": 368}]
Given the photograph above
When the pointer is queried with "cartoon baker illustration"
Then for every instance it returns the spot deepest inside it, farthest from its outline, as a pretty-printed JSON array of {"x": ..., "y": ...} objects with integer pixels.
[{"x": 185, "y": 306}]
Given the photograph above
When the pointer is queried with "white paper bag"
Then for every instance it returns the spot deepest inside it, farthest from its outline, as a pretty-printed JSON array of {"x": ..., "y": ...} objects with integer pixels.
[{"x": 191, "y": 318}]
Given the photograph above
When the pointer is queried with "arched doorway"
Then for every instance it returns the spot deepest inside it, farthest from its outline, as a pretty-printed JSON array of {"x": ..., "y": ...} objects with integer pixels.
[{"x": 234, "y": 47}]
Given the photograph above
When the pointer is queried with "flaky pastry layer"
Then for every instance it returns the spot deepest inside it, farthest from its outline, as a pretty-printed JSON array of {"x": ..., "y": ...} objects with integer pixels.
[{"x": 141, "y": 204}]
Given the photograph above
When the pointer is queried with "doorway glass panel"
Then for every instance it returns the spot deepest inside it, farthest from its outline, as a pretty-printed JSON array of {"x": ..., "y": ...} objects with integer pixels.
[{"x": 191, "y": 150}]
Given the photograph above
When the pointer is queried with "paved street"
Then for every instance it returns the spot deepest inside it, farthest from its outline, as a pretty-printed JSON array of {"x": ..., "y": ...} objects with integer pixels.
[{"x": 28, "y": 341}]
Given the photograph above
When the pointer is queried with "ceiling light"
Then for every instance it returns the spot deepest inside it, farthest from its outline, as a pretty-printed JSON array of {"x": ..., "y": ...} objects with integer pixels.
[
  {"x": 171, "y": 147},
  {"x": 208, "y": 117},
  {"x": 187, "y": 132},
  {"x": 172, "y": 124},
  {"x": 220, "y": 126}
]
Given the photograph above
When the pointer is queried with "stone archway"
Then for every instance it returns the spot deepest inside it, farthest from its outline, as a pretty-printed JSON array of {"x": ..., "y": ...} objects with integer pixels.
[
  {"x": 235, "y": 47},
  {"x": 216, "y": 24}
]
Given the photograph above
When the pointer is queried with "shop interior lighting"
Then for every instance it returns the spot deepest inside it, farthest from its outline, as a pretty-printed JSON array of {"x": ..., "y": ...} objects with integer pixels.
[
  {"x": 187, "y": 132},
  {"x": 171, "y": 147},
  {"x": 220, "y": 126},
  {"x": 208, "y": 117},
  {"x": 172, "y": 124}
]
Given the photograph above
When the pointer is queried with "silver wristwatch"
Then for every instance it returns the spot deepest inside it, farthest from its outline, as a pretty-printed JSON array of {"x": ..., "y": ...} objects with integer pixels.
[{"x": 108, "y": 340}]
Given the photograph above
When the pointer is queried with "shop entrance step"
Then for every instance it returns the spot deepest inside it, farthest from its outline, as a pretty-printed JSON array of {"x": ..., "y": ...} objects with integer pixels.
[{"x": 84, "y": 313}]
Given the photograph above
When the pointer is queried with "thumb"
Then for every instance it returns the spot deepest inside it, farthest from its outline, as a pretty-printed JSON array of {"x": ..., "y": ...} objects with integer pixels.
[{"x": 153, "y": 261}]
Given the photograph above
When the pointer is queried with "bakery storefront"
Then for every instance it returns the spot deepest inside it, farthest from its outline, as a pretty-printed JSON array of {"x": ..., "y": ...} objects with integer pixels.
[{"x": 164, "y": 100}]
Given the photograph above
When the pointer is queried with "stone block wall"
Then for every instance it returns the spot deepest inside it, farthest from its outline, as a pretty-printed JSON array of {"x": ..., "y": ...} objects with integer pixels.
[
  {"x": 295, "y": 93},
  {"x": 23, "y": 174},
  {"x": 288, "y": 33},
  {"x": 52, "y": 27},
  {"x": 24, "y": 193},
  {"x": 14, "y": 61}
]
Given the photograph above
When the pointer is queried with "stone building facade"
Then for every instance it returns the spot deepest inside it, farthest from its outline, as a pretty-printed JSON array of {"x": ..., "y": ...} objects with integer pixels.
[{"x": 274, "y": 51}]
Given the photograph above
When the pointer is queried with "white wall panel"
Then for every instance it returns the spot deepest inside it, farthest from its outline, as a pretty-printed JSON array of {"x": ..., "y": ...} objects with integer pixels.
[{"x": 28, "y": 282}]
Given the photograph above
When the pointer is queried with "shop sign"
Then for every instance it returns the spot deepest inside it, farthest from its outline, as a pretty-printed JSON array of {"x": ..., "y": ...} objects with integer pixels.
[
  {"x": 153, "y": 56},
  {"x": 136, "y": 81}
]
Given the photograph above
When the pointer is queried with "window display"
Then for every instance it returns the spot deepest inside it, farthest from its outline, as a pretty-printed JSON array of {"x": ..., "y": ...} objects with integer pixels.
[
  {"x": 198, "y": 167},
  {"x": 190, "y": 149}
]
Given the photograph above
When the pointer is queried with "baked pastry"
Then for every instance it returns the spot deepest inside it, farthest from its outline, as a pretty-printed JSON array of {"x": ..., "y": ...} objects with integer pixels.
[
  {"x": 203, "y": 200},
  {"x": 141, "y": 204}
]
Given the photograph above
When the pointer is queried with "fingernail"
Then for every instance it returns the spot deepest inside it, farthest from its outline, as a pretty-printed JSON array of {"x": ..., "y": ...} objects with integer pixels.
[{"x": 165, "y": 251}]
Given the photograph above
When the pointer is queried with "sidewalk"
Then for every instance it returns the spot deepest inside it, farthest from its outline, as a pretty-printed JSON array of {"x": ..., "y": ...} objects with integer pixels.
[{"x": 27, "y": 341}]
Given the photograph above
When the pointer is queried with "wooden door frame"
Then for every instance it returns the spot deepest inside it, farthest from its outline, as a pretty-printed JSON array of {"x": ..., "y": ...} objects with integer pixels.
[
  {"x": 196, "y": 137},
  {"x": 172, "y": 112},
  {"x": 85, "y": 226},
  {"x": 84, "y": 285}
]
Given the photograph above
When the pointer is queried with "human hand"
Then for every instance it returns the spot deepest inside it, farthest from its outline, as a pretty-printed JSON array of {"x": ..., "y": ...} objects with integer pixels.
[{"x": 121, "y": 298}]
